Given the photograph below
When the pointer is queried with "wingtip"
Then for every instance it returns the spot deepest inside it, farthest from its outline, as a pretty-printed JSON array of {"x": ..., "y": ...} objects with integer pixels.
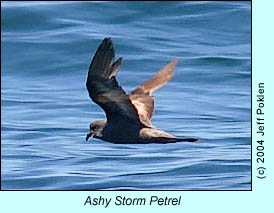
[
  {"x": 107, "y": 43},
  {"x": 102, "y": 60},
  {"x": 107, "y": 39},
  {"x": 173, "y": 63}
]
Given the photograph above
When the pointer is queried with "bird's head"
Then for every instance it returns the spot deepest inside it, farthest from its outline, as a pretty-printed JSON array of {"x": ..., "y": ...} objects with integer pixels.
[{"x": 95, "y": 129}]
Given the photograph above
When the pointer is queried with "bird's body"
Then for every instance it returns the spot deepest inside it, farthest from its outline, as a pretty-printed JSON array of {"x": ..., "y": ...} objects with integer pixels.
[
  {"x": 135, "y": 134},
  {"x": 128, "y": 115}
]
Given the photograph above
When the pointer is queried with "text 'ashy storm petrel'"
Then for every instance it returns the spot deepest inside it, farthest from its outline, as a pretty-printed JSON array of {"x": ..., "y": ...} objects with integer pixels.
[{"x": 128, "y": 115}]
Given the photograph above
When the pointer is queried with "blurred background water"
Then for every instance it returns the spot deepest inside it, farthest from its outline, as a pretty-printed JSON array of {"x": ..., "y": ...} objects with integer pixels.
[{"x": 46, "y": 48}]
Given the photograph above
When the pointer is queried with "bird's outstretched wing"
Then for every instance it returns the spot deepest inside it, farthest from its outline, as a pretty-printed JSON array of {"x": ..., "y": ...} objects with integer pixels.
[
  {"x": 141, "y": 97},
  {"x": 104, "y": 89}
]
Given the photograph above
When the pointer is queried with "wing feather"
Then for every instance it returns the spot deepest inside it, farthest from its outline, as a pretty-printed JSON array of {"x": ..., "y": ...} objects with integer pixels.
[
  {"x": 141, "y": 97},
  {"x": 158, "y": 80},
  {"x": 104, "y": 89}
]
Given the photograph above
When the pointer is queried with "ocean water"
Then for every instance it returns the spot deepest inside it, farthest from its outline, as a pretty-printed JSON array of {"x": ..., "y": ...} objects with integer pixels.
[{"x": 46, "y": 48}]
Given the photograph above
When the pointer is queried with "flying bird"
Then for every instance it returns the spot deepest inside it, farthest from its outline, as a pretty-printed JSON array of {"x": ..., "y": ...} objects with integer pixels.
[{"x": 128, "y": 116}]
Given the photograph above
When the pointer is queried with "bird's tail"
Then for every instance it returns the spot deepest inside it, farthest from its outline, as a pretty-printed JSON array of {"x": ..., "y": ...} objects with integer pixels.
[
  {"x": 194, "y": 140},
  {"x": 163, "y": 140}
]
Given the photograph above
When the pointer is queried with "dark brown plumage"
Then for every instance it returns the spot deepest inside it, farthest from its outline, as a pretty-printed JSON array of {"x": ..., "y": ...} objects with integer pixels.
[{"x": 128, "y": 115}]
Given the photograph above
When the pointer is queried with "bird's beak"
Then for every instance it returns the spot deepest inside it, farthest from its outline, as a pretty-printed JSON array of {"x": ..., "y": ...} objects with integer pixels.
[{"x": 90, "y": 134}]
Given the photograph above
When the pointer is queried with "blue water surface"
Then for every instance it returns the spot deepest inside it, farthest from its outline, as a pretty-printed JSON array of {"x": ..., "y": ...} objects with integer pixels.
[{"x": 46, "y": 48}]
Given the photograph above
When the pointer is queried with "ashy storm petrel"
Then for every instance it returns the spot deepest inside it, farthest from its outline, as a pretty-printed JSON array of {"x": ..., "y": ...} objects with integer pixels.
[{"x": 128, "y": 115}]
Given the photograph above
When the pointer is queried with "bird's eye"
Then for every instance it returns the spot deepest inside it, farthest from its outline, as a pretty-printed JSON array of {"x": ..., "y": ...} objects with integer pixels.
[{"x": 93, "y": 127}]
